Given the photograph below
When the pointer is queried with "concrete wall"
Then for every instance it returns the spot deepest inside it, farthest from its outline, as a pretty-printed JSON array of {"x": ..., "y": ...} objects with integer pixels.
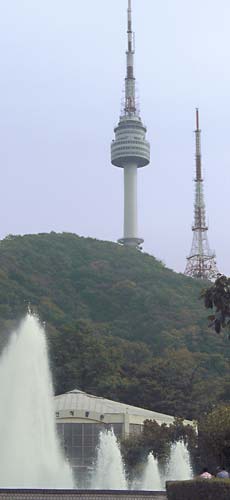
[{"x": 8, "y": 494}]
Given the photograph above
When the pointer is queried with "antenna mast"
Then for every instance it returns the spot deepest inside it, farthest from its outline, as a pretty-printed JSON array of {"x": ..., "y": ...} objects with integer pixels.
[
  {"x": 201, "y": 262},
  {"x": 130, "y": 94}
]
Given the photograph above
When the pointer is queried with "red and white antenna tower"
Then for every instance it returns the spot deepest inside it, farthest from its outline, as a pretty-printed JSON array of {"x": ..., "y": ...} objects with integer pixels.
[{"x": 201, "y": 262}]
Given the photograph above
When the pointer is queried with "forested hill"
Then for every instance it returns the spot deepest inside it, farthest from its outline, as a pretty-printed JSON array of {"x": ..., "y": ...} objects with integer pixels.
[{"x": 119, "y": 323}]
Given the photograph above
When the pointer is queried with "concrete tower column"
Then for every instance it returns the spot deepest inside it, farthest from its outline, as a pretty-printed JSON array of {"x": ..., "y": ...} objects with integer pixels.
[{"x": 130, "y": 201}]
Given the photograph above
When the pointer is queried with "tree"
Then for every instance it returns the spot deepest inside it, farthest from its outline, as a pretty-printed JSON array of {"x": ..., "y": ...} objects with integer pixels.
[
  {"x": 217, "y": 297},
  {"x": 214, "y": 437},
  {"x": 157, "y": 439}
]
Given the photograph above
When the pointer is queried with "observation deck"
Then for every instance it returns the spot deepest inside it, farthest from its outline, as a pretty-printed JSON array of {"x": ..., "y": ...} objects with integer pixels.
[{"x": 130, "y": 145}]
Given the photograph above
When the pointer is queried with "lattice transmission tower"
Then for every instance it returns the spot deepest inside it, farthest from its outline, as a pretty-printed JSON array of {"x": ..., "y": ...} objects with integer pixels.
[{"x": 201, "y": 262}]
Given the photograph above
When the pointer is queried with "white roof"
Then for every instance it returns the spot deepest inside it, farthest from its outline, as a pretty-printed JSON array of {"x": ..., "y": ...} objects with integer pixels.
[{"x": 77, "y": 400}]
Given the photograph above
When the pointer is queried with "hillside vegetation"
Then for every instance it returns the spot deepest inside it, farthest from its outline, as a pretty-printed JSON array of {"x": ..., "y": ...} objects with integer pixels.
[{"x": 119, "y": 323}]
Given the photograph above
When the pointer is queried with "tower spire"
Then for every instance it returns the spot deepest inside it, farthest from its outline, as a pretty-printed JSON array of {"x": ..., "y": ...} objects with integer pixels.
[
  {"x": 129, "y": 149},
  {"x": 129, "y": 27},
  {"x": 201, "y": 261},
  {"x": 130, "y": 98},
  {"x": 198, "y": 152}
]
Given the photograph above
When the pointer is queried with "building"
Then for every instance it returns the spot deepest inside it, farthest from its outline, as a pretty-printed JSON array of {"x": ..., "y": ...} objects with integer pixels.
[
  {"x": 80, "y": 417},
  {"x": 129, "y": 149}
]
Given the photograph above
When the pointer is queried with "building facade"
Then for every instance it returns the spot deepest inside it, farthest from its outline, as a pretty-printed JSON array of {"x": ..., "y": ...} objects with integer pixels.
[{"x": 80, "y": 418}]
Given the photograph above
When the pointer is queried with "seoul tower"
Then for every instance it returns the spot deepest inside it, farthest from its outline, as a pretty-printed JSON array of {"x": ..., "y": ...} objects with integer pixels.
[
  {"x": 201, "y": 262},
  {"x": 129, "y": 149}
]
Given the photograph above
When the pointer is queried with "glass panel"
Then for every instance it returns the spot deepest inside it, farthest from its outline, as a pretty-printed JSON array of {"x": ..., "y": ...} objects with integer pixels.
[
  {"x": 67, "y": 443},
  {"x": 88, "y": 428},
  {"x": 77, "y": 429},
  {"x": 76, "y": 461},
  {"x": 67, "y": 430},
  {"x": 76, "y": 451},
  {"x": 117, "y": 428},
  {"x": 77, "y": 440},
  {"x": 88, "y": 440},
  {"x": 87, "y": 461},
  {"x": 88, "y": 451}
]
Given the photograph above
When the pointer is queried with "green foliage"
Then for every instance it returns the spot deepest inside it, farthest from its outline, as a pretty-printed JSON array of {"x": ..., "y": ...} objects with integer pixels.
[
  {"x": 200, "y": 489},
  {"x": 119, "y": 323},
  {"x": 214, "y": 437},
  {"x": 208, "y": 442},
  {"x": 218, "y": 296},
  {"x": 157, "y": 439}
]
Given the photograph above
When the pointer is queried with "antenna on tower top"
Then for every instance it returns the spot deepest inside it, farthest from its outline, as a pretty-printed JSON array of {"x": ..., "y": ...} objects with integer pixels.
[
  {"x": 129, "y": 28},
  {"x": 130, "y": 100},
  {"x": 197, "y": 119},
  {"x": 129, "y": 6}
]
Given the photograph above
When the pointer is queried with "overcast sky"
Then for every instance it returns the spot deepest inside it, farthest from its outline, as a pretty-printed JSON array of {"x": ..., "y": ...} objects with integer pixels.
[{"x": 62, "y": 71}]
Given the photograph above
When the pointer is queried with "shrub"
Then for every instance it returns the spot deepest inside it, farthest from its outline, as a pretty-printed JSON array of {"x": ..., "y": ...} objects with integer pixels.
[{"x": 200, "y": 489}]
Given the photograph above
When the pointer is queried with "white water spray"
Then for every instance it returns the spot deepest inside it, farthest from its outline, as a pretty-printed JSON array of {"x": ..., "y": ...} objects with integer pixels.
[
  {"x": 109, "y": 472},
  {"x": 179, "y": 467},
  {"x": 151, "y": 477},
  {"x": 30, "y": 455}
]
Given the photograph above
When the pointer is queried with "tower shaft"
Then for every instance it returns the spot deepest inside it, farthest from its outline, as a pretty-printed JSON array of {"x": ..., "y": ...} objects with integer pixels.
[
  {"x": 201, "y": 261},
  {"x": 130, "y": 201},
  {"x": 130, "y": 150}
]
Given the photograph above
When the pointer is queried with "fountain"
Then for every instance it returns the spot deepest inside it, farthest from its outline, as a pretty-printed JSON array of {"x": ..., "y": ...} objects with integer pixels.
[
  {"x": 109, "y": 470},
  {"x": 151, "y": 478},
  {"x": 179, "y": 466},
  {"x": 30, "y": 455}
]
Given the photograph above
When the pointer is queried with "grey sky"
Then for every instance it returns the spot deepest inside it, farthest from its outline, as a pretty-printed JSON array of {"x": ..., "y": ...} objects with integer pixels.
[{"x": 62, "y": 71}]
